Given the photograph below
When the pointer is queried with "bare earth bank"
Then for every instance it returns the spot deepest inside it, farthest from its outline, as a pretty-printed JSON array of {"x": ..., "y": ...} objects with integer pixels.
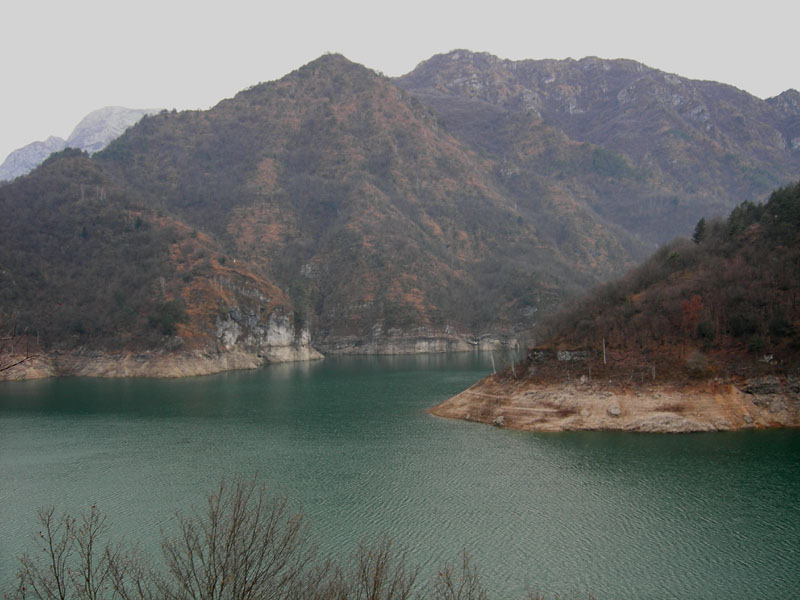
[
  {"x": 151, "y": 364},
  {"x": 702, "y": 406}
]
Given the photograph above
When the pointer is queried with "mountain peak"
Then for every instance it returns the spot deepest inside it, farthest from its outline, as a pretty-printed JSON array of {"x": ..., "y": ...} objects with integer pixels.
[
  {"x": 330, "y": 75},
  {"x": 460, "y": 57},
  {"x": 787, "y": 99},
  {"x": 330, "y": 64},
  {"x": 97, "y": 129},
  {"x": 22, "y": 160}
]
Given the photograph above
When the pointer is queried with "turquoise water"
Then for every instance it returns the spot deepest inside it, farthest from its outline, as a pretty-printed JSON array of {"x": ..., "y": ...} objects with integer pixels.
[{"x": 614, "y": 515}]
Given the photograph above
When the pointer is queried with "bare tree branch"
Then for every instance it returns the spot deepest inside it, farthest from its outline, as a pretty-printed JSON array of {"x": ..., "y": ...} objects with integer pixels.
[
  {"x": 246, "y": 546},
  {"x": 14, "y": 347},
  {"x": 464, "y": 585}
]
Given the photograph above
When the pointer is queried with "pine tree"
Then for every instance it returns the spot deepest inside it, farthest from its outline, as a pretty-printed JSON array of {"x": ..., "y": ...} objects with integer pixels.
[{"x": 699, "y": 231}]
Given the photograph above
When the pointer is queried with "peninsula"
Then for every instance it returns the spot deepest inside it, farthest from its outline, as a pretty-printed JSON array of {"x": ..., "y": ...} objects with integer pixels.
[{"x": 704, "y": 336}]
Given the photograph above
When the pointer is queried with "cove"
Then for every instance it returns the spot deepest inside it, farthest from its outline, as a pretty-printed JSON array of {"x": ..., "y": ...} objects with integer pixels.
[{"x": 348, "y": 439}]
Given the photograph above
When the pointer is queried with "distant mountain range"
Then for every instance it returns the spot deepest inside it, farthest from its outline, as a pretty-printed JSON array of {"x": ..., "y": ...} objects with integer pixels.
[
  {"x": 93, "y": 133},
  {"x": 456, "y": 204}
]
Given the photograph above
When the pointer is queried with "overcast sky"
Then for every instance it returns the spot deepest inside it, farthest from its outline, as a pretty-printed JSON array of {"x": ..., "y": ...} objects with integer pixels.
[{"x": 62, "y": 59}]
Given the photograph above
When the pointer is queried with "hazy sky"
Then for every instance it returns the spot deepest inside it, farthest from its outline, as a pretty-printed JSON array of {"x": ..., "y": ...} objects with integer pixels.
[{"x": 60, "y": 60}]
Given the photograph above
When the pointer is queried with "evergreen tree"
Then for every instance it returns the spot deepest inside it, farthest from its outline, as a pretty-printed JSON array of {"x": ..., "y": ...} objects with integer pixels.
[{"x": 699, "y": 231}]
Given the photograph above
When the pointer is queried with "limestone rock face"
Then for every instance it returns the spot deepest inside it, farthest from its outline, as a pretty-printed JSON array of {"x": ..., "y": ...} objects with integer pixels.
[
  {"x": 273, "y": 340},
  {"x": 417, "y": 340}
]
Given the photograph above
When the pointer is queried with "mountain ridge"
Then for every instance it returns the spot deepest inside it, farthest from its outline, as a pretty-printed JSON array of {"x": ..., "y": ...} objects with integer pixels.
[
  {"x": 355, "y": 143},
  {"x": 382, "y": 217},
  {"x": 658, "y": 125}
]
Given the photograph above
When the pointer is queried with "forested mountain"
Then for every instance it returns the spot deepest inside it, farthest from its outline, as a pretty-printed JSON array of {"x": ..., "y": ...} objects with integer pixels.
[
  {"x": 650, "y": 151},
  {"x": 334, "y": 206},
  {"x": 704, "y": 336},
  {"x": 719, "y": 304},
  {"x": 345, "y": 191},
  {"x": 85, "y": 265}
]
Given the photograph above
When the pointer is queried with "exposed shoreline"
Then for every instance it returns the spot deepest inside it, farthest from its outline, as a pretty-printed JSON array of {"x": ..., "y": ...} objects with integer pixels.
[
  {"x": 666, "y": 408},
  {"x": 149, "y": 364},
  {"x": 231, "y": 355}
]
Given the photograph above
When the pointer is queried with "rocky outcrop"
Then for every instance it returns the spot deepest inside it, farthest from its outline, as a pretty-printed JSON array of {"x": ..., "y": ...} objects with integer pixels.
[
  {"x": 152, "y": 364},
  {"x": 31, "y": 367},
  {"x": 708, "y": 406},
  {"x": 243, "y": 342},
  {"x": 273, "y": 340}
]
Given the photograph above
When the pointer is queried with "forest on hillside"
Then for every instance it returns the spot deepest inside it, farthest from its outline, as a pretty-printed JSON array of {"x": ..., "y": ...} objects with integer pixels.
[{"x": 723, "y": 303}]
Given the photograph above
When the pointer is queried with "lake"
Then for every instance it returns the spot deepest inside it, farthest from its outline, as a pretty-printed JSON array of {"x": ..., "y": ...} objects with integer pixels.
[{"x": 348, "y": 439}]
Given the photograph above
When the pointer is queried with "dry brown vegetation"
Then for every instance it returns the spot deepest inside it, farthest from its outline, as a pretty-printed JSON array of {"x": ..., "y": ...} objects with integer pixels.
[
  {"x": 370, "y": 206},
  {"x": 725, "y": 304}
]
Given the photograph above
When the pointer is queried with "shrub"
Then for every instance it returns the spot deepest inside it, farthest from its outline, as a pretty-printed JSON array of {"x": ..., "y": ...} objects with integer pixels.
[
  {"x": 168, "y": 316},
  {"x": 697, "y": 364}
]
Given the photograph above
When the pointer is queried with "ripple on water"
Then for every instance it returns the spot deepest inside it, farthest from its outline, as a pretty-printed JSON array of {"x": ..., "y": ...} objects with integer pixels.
[{"x": 633, "y": 516}]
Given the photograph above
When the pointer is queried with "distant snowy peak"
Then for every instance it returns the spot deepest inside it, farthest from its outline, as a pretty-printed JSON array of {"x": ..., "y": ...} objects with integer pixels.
[
  {"x": 95, "y": 131},
  {"x": 23, "y": 160},
  {"x": 100, "y": 127}
]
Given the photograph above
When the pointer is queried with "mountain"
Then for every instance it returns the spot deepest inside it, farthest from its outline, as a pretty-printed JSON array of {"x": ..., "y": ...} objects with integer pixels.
[
  {"x": 334, "y": 209},
  {"x": 367, "y": 228},
  {"x": 704, "y": 335},
  {"x": 97, "y": 129},
  {"x": 23, "y": 160},
  {"x": 92, "y": 282},
  {"x": 347, "y": 193},
  {"x": 625, "y": 138},
  {"x": 93, "y": 133}
]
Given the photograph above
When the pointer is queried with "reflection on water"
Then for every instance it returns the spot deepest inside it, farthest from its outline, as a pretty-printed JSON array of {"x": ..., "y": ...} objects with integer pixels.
[{"x": 617, "y": 515}]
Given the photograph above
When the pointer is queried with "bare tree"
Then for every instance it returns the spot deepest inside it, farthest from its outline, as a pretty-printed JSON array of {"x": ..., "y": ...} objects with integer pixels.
[
  {"x": 462, "y": 584},
  {"x": 14, "y": 346},
  {"x": 380, "y": 574},
  {"x": 246, "y": 546},
  {"x": 70, "y": 563},
  {"x": 133, "y": 577}
]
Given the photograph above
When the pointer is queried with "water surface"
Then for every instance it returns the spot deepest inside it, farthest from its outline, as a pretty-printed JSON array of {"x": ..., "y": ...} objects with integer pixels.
[{"x": 614, "y": 515}]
